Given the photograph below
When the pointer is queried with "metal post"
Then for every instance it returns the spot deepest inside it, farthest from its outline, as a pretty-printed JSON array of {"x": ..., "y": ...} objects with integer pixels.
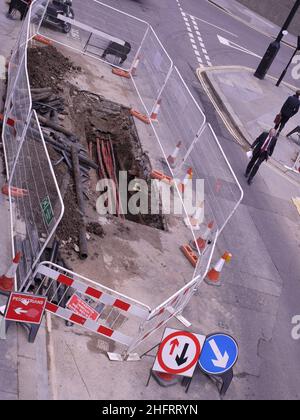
[
  {"x": 2, "y": 328},
  {"x": 289, "y": 63},
  {"x": 274, "y": 47},
  {"x": 227, "y": 379}
]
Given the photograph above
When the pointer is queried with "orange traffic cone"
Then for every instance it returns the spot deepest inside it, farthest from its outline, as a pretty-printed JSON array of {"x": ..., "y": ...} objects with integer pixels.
[
  {"x": 203, "y": 240},
  {"x": 127, "y": 74},
  {"x": 196, "y": 218},
  {"x": 155, "y": 112},
  {"x": 187, "y": 178},
  {"x": 172, "y": 158},
  {"x": 135, "y": 66},
  {"x": 213, "y": 276},
  {"x": 218, "y": 186},
  {"x": 7, "y": 280}
]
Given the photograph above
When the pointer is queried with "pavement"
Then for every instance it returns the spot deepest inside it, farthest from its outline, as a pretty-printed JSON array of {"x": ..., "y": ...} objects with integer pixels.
[
  {"x": 253, "y": 20},
  {"x": 23, "y": 366},
  {"x": 249, "y": 105},
  {"x": 259, "y": 294}
]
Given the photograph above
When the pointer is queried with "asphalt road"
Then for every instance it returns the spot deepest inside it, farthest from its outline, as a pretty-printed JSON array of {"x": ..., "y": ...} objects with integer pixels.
[
  {"x": 264, "y": 234},
  {"x": 166, "y": 19}
]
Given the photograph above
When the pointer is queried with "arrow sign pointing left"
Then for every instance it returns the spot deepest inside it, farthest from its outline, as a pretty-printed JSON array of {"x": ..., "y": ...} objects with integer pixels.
[
  {"x": 20, "y": 311},
  {"x": 235, "y": 46},
  {"x": 221, "y": 360}
]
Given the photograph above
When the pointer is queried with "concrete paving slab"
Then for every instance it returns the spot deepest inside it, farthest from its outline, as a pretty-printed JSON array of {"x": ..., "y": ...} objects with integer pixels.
[
  {"x": 7, "y": 396},
  {"x": 9, "y": 380}
]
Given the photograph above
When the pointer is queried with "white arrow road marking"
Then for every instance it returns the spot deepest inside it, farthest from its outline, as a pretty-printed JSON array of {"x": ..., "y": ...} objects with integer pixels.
[
  {"x": 222, "y": 360},
  {"x": 20, "y": 311},
  {"x": 235, "y": 46}
]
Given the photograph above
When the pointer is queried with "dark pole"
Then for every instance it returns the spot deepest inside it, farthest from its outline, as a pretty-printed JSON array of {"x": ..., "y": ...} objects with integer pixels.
[
  {"x": 274, "y": 47},
  {"x": 288, "y": 65}
]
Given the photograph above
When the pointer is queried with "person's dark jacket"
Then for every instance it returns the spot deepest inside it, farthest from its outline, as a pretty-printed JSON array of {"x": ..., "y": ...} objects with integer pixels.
[
  {"x": 259, "y": 142},
  {"x": 291, "y": 106}
]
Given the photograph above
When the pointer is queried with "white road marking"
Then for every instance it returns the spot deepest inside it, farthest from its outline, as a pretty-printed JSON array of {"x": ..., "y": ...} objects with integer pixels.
[
  {"x": 235, "y": 46},
  {"x": 215, "y": 26},
  {"x": 187, "y": 18}
]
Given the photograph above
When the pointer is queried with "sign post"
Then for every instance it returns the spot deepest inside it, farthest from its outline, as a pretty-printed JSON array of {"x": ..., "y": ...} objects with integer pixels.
[
  {"x": 26, "y": 309},
  {"x": 218, "y": 357},
  {"x": 2, "y": 323}
]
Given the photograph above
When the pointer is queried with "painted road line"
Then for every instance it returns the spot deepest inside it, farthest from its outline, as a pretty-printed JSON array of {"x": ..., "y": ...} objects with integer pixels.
[
  {"x": 215, "y": 26},
  {"x": 187, "y": 18},
  {"x": 202, "y": 45},
  {"x": 235, "y": 46},
  {"x": 267, "y": 35}
]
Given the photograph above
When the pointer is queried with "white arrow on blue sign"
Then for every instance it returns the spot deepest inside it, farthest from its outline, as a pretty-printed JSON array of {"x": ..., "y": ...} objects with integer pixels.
[{"x": 219, "y": 354}]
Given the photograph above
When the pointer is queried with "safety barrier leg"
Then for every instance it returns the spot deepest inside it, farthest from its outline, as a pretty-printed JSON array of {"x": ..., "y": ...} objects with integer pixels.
[{"x": 2, "y": 328}]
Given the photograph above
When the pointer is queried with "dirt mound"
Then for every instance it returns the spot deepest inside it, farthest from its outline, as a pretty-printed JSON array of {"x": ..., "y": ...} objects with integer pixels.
[{"x": 58, "y": 66}]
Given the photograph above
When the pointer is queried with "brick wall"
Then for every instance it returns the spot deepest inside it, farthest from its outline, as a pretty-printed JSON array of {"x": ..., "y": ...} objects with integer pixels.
[{"x": 276, "y": 11}]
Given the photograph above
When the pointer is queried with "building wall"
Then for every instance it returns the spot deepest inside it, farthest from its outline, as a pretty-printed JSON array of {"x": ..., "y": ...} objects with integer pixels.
[{"x": 276, "y": 11}]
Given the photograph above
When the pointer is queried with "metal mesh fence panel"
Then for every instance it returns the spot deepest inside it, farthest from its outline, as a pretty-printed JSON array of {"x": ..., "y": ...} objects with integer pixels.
[
  {"x": 97, "y": 28},
  {"x": 222, "y": 191},
  {"x": 179, "y": 118},
  {"x": 37, "y": 11},
  {"x": 36, "y": 204},
  {"x": 18, "y": 108},
  {"x": 18, "y": 54},
  {"x": 152, "y": 72}
]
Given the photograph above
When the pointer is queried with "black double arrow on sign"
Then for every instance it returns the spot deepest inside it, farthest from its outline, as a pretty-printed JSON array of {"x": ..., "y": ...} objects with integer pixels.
[{"x": 180, "y": 360}]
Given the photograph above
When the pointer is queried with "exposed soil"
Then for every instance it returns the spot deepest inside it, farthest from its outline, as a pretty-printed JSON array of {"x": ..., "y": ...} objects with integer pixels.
[
  {"x": 100, "y": 118},
  {"x": 48, "y": 68},
  {"x": 96, "y": 229},
  {"x": 89, "y": 117}
]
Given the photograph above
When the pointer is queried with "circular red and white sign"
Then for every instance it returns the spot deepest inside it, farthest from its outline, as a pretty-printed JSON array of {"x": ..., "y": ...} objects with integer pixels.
[{"x": 179, "y": 353}]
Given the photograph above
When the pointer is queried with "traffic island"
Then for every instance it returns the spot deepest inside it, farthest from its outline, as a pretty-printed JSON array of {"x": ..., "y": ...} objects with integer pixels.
[{"x": 248, "y": 107}]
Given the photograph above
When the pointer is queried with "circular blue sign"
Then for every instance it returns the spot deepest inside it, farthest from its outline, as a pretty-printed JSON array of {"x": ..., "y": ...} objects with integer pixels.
[{"x": 219, "y": 354}]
